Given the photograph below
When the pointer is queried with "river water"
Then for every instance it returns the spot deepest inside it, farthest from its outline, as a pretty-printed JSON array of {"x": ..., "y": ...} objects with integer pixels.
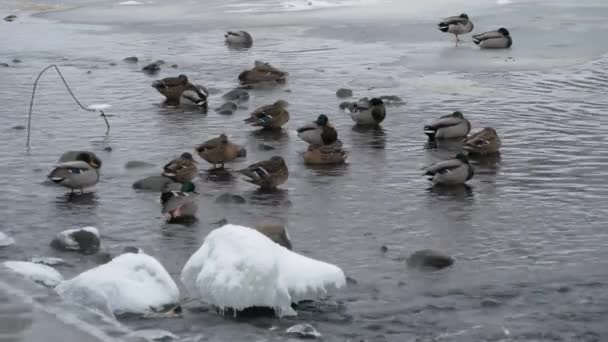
[{"x": 528, "y": 234}]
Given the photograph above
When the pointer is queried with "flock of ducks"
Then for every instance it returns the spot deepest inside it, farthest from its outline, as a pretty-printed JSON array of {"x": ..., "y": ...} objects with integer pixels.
[{"x": 78, "y": 170}]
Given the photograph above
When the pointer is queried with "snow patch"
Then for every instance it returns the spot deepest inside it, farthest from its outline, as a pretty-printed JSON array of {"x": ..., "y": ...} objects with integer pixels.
[
  {"x": 303, "y": 330},
  {"x": 101, "y": 106},
  {"x": 238, "y": 267},
  {"x": 130, "y": 283},
  {"x": 6, "y": 240},
  {"x": 503, "y": 2},
  {"x": 153, "y": 335},
  {"x": 130, "y": 3},
  {"x": 49, "y": 261},
  {"x": 37, "y": 273}
]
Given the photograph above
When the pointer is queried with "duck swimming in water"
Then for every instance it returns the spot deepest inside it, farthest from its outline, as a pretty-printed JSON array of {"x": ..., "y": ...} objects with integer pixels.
[
  {"x": 484, "y": 142},
  {"x": 449, "y": 126},
  {"x": 453, "y": 171},
  {"x": 457, "y": 25},
  {"x": 324, "y": 155},
  {"x": 179, "y": 204},
  {"x": 367, "y": 112},
  {"x": 267, "y": 174},
  {"x": 81, "y": 173},
  {"x": 270, "y": 117},
  {"x": 238, "y": 39},
  {"x": 319, "y": 132}
]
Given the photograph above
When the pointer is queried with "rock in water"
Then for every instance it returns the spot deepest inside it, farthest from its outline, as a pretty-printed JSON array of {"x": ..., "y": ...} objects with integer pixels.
[
  {"x": 227, "y": 198},
  {"x": 10, "y": 18},
  {"x": 84, "y": 240},
  {"x": 303, "y": 330},
  {"x": 49, "y": 261},
  {"x": 6, "y": 240},
  {"x": 4, "y": 65},
  {"x": 151, "y": 68},
  {"x": 343, "y": 93},
  {"x": 136, "y": 164},
  {"x": 237, "y": 95},
  {"x": 227, "y": 108},
  {"x": 255, "y": 272},
  {"x": 131, "y": 59},
  {"x": 276, "y": 233},
  {"x": 130, "y": 283},
  {"x": 41, "y": 274},
  {"x": 429, "y": 259},
  {"x": 154, "y": 183}
]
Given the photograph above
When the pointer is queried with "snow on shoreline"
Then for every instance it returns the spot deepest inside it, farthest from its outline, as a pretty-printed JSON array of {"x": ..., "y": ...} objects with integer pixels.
[{"x": 238, "y": 267}]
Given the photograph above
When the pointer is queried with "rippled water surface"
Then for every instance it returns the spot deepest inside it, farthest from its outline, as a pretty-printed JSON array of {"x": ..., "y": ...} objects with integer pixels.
[{"x": 528, "y": 233}]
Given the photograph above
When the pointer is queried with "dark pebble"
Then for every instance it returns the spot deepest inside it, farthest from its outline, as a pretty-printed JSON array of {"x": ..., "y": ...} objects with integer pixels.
[
  {"x": 5, "y": 65},
  {"x": 175, "y": 66},
  {"x": 343, "y": 93},
  {"x": 238, "y": 95},
  {"x": 220, "y": 223},
  {"x": 230, "y": 199},
  {"x": 19, "y": 127},
  {"x": 10, "y": 18},
  {"x": 89, "y": 72},
  {"x": 227, "y": 108},
  {"x": 131, "y": 59},
  {"x": 563, "y": 289},
  {"x": 112, "y": 64},
  {"x": 135, "y": 164},
  {"x": 384, "y": 249},
  {"x": 266, "y": 147},
  {"x": 107, "y": 149},
  {"x": 151, "y": 68},
  {"x": 429, "y": 259},
  {"x": 131, "y": 249},
  {"x": 16, "y": 61},
  {"x": 489, "y": 303},
  {"x": 351, "y": 281}
]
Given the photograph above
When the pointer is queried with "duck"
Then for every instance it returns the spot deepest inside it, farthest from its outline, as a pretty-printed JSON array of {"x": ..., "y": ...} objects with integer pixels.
[
  {"x": 270, "y": 117},
  {"x": 324, "y": 155},
  {"x": 262, "y": 72},
  {"x": 367, "y": 112},
  {"x": 319, "y": 132},
  {"x": 499, "y": 39},
  {"x": 240, "y": 39},
  {"x": 267, "y": 174},
  {"x": 80, "y": 173},
  {"x": 172, "y": 88},
  {"x": 218, "y": 150},
  {"x": 484, "y": 142},
  {"x": 453, "y": 171},
  {"x": 451, "y": 126},
  {"x": 182, "y": 169},
  {"x": 195, "y": 95},
  {"x": 179, "y": 204},
  {"x": 457, "y": 25}
]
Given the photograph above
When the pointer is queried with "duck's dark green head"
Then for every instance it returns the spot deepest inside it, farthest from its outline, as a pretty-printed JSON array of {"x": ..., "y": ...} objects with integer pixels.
[
  {"x": 503, "y": 31},
  {"x": 188, "y": 187},
  {"x": 464, "y": 16},
  {"x": 458, "y": 115},
  {"x": 91, "y": 160},
  {"x": 322, "y": 120},
  {"x": 187, "y": 156},
  {"x": 462, "y": 157},
  {"x": 376, "y": 102}
]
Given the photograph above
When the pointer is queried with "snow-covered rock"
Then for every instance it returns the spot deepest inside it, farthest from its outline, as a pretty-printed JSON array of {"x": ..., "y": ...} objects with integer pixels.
[
  {"x": 129, "y": 283},
  {"x": 6, "y": 240},
  {"x": 152, "y": 335},
  {"x": 84, "y": 240},
  {"x": 238, "y": 267},
  {"x": 303, "y": 330},
  {"x": 41, "y": 274}
]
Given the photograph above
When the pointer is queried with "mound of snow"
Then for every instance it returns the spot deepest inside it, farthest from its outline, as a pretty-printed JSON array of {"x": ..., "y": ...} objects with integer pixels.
[
  {"x": 238, "y": 267},
  {"x": 130, "y": 283},
  {"x": 6, "y": 240},
  {"x": 41, "y": 274}
]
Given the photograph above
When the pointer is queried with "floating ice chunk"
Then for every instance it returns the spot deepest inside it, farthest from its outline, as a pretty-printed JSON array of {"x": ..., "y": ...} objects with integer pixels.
[
  {"x": 130, "y": 3},
  {"x": 6, "y": 240},
  {"x": 49, "y": 261},
  {"x": 503, "y": 2},
  {"x": 130, "y": 283},
  {"x": 153, "y": 335},
  {"x": 41, "y": 274},
  {"x": 99, "y": 106},
  {"x": 238, "y": 267},
  {"x": 303, "y": 330}
]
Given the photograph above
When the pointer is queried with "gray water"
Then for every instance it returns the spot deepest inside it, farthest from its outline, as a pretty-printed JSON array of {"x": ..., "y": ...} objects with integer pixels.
[{"x": 528, "y": 233}]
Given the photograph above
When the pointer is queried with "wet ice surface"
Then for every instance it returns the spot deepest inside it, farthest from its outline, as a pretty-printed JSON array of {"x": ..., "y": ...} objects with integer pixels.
[{"x": 528, "y": 236}]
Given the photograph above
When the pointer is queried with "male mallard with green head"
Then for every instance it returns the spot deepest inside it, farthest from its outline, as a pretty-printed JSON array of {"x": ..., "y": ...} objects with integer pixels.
[
  {"x": 182, "y": 169},
  {"x": 81, "y": 173},
  {"x": 270, "y": 117},
  {"x": 218, "y": 150},
  {"x": 499, "y": 39},
  {"x": 319, "y": 132},
  {"x": 453, "y": 171},
  {"x": 267, "y": 174},
  {"x": 457, "y": 25},
  {"x": 367, "y": 112},
  {"x": 449, "y": 126},
  {"x": 179, "y": 204},
  {"x": 484, "y": 142}
]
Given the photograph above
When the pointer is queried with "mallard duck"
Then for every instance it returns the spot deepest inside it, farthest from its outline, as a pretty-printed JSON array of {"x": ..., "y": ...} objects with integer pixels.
[
  {"x": 367, "y": 112},
  {"x": 267, "y": 174},
  {"x": 262, "y": 73},
  {"x": 83, "y": 172},
  {"x": 271, "y": 117},
  {"x": 195, "y": 95},
  {"x": 182, "y": 169},
  {"x": 499, "y": 39},
  {"x": 241, "y": 39},
  {"x": 324, "y": 155},
  {"x": 179, "y": 204},
  {"x": 172, "y": 88},
  {"x": 449, "y": 126},
  {"x": 456, "y": 25},
  {"x": 483, "y": 142},
  {"x": 452, "y": 171},
  {"x": 319, "y": 132},
  {"x": 218, "y": 150}
]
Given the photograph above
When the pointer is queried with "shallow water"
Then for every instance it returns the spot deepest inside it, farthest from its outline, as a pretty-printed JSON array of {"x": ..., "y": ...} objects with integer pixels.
[{"x": 528, "y": 233}]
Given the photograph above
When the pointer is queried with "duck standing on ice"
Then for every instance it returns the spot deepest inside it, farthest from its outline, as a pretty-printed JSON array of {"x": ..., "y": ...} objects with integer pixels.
[{"x": 456, "y": 25}]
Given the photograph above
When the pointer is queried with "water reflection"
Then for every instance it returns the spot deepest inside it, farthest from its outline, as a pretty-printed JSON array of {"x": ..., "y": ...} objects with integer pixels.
[
  {"x": 270, "y": 134},
  {"x": 275, "y": 197},
  {"x": 452, "y": 191},
  {"x": 76, "y": 198},
  {"x": 372, "y": 136}
]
